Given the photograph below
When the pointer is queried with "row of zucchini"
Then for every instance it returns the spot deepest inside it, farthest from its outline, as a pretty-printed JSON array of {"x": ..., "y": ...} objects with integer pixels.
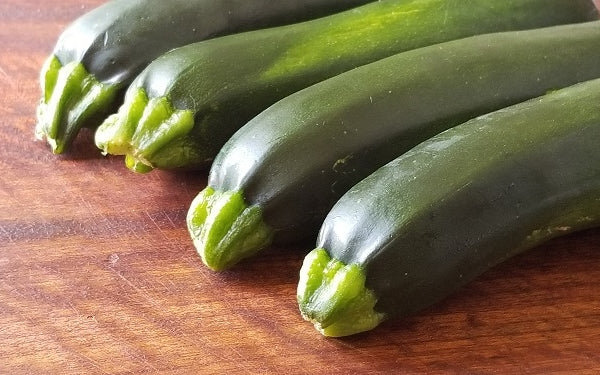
[{"x": 428, "y": 140}]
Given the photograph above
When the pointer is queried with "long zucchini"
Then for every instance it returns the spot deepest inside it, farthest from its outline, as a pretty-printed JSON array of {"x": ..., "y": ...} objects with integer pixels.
[
  {"x": 435, "y": 218},
  {"x": 99, "y": 54},
  {"x": 279, "y": 175},
  {"x": 185, "y": 105}
]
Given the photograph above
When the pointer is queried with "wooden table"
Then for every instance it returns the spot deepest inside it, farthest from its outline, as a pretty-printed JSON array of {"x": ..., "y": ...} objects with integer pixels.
[{"x": 98, "y": 274}]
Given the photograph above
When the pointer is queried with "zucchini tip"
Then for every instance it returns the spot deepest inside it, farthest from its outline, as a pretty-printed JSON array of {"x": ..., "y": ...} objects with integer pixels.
[
  {"x": 148, "y": 131},
  {"x": 71, "y": 99},
  {"x": 224, "y": 229},
  {"x": 333, "y": 296}
]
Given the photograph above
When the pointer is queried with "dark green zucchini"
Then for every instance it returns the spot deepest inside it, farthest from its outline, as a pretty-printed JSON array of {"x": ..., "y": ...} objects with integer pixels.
[
  {"x": 98, "y": 55},
  {"x": 430, "y": 221},
  {"x": 186, "y": 104},
  {"x": 278, "y": 176}
]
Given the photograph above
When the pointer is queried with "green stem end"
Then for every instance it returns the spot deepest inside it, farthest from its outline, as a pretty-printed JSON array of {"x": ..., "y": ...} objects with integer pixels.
[
  {"x": 333, "y": 296},
  {"x": 71, "y": 99},
  {"x": 225, "y": 229},
  {"x": 151, "y": 133}
]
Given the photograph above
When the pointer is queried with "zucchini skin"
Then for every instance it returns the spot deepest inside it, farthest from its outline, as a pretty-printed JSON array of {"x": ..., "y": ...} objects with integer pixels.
[
  {"x": 225, "y": 82},
  {"x": 462, "y": 202},
  {"x": 295, "y": 159},
  {"x": 115, "y": 41}
]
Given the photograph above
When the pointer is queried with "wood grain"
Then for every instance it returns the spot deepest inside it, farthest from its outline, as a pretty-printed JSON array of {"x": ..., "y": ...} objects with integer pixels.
[{"x": 98, "y": 275}]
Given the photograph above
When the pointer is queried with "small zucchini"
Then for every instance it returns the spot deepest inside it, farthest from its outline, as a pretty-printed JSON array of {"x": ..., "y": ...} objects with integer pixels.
[
  {"x": 278, "y": 176},
  {"x": 186, "y": 104},
  {"x": 99, "y": 54},
  {"x": 430, "y": 221}
]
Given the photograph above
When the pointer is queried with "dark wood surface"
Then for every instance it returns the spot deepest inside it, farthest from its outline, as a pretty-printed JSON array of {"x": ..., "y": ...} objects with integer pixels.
[{"x": 98, "y": 275}]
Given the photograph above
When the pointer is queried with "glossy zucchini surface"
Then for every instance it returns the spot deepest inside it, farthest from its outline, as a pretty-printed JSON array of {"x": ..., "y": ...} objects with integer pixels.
[
  {"x": 99, "y": 54},
  {"x": 276, "y": 178},
  {"x": 185, "y": 105},
  {"x": 430, "y": 221}
]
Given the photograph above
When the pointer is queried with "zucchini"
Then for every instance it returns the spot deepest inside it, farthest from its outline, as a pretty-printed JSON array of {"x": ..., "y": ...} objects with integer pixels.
[
  {"x": 278, "y": 176},
  {"x": 430, "y": 221},
  {"x": 99, "y": 54},
  {"x": 186, "y": 104}
]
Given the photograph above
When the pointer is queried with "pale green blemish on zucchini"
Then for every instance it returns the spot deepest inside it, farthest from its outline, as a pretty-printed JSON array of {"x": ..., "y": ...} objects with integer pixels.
[
  {"x": 144, "y": 129},
  {"x": 333, "y": 296},
  {"x": 335, "y": 38},
  {"x": 576, "y": 218},
  {"x": 224, "y": 229},
  {"x": 339, "y": 164},
  {"x": 70, "y": 97}
]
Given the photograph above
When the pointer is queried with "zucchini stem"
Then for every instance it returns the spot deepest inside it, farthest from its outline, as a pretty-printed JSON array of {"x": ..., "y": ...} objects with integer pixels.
[
  {"x": 225, "y": 229},
  {"x": 146, "y": 129},
  {"x": 333, "y": 296},
  {"x": 71, "y": 97}
]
